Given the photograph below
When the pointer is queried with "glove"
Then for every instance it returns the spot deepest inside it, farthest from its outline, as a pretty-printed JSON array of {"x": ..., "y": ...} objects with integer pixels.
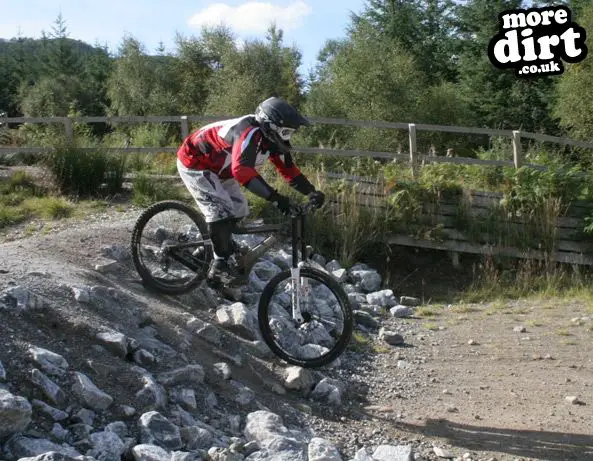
[
  {"x": 317, "y": 198},
  {"x": 281, "y": 202}
]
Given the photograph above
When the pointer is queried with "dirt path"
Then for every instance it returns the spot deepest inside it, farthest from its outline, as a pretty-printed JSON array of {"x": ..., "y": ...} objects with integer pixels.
[{"x": 490, "y": 380}]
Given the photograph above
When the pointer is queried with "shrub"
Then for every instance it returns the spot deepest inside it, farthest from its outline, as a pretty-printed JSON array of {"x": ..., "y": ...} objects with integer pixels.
[{"x": 82, "y": 173}]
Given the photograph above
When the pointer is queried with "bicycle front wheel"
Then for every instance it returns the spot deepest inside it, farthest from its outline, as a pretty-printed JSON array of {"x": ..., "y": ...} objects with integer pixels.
[
  {"x": 327, "y": 321},
  {"x": 168, "y": 247}
]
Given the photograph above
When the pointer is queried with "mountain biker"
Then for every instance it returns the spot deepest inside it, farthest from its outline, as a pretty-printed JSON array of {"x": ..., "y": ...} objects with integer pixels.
[{"x": 216, "y": 159}]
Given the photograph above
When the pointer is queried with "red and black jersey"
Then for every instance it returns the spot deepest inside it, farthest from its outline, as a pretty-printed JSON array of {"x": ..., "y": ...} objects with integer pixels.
[{"x": 234, "y": 149}]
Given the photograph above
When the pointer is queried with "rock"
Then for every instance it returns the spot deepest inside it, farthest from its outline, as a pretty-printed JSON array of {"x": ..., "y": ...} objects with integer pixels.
[
  {"x": 239, "y": 319},
  {"x": 520, "y": 329},
  {"x": 282, "y": 259},
  {"x": 152, "y": 394},
  {"x": 384, "y": 298},
  {"x": 205, "y": 330},
  {"x": 319, "y": 259},
  {"x": 363, "y": 455},
  {"x": 356, "y": 299},
  {"x": 146, "y": 338},
  {"x": 261, "y": 426},
  {"x": 244, "y": 395},
  {"x": 90, "y": 394},
  {"x": 573, "y": 400},
  {"x": 443, "y": 453},
  {"x": 341, "y": 275},
  {"x": 255, "y": 283},
  {"x": 401, "y": 311},
  {"x": 21, "y": 299},
  {"x": 15, "y": 413},
  {"x": 105, "y": 268},
  {"x": 223, "y": 454},
  {"x": 328, "y": 390},
  {"x": 143, "y": 357},
  {"x": 195, "y": 438},
  {"x": 20, "y": 446},
  {"x": 84, "y": 416},
  {"x": 408, "y": 301},
  {"x": 117, "y": 252},
  {"x": 53, "y": 413},
  {"x": 390, "y": 337},
  {"x": 185, "y": 397},
  {"x": 333, "y": 266},
  {"x": 82, "y": 294},
  {"x": 366, "y": 319},
  {"x": 155, "y": 429},
  {"x": 370, "y": 280},
  {"x": 190, "y": 374},
  {"x": 114, "y": 342},
  {"x": 149, "y": 452},
  {"x": 55, "y": 456},
  {"x": 51, "y": 390},
  {"x": 321, "y": 450},
  {"x": 393, "y": 453},
  {"x": 266, "y": 270},
  {"x": 119, "y": 428},
  {"x": 59, "y": 433},
  {"x": 50, "y": 362},
  {"x": 222, "y": 370},
  {"x": 107, "y": 446},
  {"x": 299, "y": 379}
]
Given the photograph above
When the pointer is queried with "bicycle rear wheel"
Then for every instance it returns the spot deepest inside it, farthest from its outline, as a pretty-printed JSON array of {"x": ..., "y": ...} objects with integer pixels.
[
  {"x": 164, "y": 240},
  {"x": 327, "y": 314}
]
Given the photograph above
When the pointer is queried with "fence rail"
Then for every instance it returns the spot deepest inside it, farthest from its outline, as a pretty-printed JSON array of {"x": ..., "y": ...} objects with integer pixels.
[{"x": 413, "y": 156}]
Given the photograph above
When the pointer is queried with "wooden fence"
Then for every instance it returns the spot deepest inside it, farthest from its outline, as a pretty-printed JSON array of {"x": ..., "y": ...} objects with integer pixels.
[
  {"x": 569, "y": 247},
  {"x": 414, "y": 158}
]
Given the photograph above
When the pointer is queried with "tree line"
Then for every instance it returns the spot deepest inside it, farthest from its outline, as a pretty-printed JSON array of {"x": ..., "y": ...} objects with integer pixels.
[{"x": 418, "y": 61}]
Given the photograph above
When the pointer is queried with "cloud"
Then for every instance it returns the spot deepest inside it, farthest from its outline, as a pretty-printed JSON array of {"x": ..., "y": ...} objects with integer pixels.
[{"x": 252, "y": 17}]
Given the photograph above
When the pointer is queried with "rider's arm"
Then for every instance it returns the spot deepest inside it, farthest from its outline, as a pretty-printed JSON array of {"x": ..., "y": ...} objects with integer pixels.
[
  {"x": 285, "y": 165},
  {"x": 244, "y": 155}
]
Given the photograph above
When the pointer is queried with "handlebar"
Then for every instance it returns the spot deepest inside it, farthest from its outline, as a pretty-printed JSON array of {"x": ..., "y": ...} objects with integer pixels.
[{"x": 299, "y": 210}]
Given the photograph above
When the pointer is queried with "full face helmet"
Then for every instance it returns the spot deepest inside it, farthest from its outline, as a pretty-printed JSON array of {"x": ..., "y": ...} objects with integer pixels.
[{"x": 279, "y": 120}]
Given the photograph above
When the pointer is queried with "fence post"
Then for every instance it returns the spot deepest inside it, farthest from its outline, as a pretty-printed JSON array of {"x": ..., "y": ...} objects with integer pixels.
[
  {"x": 413, "y": 163},
  {"x": 184, "y": 127},
  {"x": 69, "y": 130},
  {"x": 517, "y": 149}
]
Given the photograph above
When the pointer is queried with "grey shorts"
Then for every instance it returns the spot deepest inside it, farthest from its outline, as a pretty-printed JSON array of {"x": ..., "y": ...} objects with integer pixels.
[{"x": 216, "y": 199}]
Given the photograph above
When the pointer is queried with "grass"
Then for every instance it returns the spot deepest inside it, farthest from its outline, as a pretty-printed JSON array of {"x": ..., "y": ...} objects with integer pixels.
[
  {"x": 431, "y": 326},
  {"x": 49, "y": 207},
  {"x": 22, "y": 199},
  {"x": 563, "y": 332},
  {"x": 428, "y": 311},
  {"x": 148, "y": 190}
]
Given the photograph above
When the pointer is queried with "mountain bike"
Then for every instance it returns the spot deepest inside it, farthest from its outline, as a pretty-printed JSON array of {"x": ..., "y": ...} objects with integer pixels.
[{"x": 304, "y": 314}]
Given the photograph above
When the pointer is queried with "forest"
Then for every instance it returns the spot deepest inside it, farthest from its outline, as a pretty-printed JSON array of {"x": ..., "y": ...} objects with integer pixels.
[{"x": 414, "y": 61}]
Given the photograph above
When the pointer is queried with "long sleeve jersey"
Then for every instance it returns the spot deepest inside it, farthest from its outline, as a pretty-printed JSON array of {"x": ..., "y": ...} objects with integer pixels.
[{"x": 235, "y": 148}]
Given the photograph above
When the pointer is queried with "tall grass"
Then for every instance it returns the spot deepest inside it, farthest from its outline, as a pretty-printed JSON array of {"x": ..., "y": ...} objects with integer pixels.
[
  {"x": 83, "y": 173},
  {"x": 524, "y": 278}
]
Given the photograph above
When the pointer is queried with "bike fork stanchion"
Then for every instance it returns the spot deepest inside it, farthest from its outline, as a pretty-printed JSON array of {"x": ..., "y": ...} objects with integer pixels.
[{"x": 295, "y": 270}]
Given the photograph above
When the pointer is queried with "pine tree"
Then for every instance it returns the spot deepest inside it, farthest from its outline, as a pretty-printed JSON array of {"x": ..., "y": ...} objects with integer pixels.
[{"x": 62, "y": 57}]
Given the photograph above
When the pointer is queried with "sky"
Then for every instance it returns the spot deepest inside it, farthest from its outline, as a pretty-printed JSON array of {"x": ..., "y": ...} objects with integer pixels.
[{"x": 306, "y": 23}]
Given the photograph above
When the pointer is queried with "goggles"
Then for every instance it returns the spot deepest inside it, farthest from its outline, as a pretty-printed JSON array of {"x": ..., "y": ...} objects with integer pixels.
[{"x": 285, "y": 133}]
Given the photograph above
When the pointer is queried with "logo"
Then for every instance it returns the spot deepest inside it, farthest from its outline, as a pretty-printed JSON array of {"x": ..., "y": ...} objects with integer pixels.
[{"x": 535, "y": 41}]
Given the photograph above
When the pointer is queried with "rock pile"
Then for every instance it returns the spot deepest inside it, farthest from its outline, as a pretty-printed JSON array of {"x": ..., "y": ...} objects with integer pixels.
[{"x": 176, "y": 414}]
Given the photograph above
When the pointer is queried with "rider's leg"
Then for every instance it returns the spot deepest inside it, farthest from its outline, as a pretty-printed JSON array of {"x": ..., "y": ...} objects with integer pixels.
[
  {"x": 240, "y": 208},
  {"x": 218, "y": 209}
]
